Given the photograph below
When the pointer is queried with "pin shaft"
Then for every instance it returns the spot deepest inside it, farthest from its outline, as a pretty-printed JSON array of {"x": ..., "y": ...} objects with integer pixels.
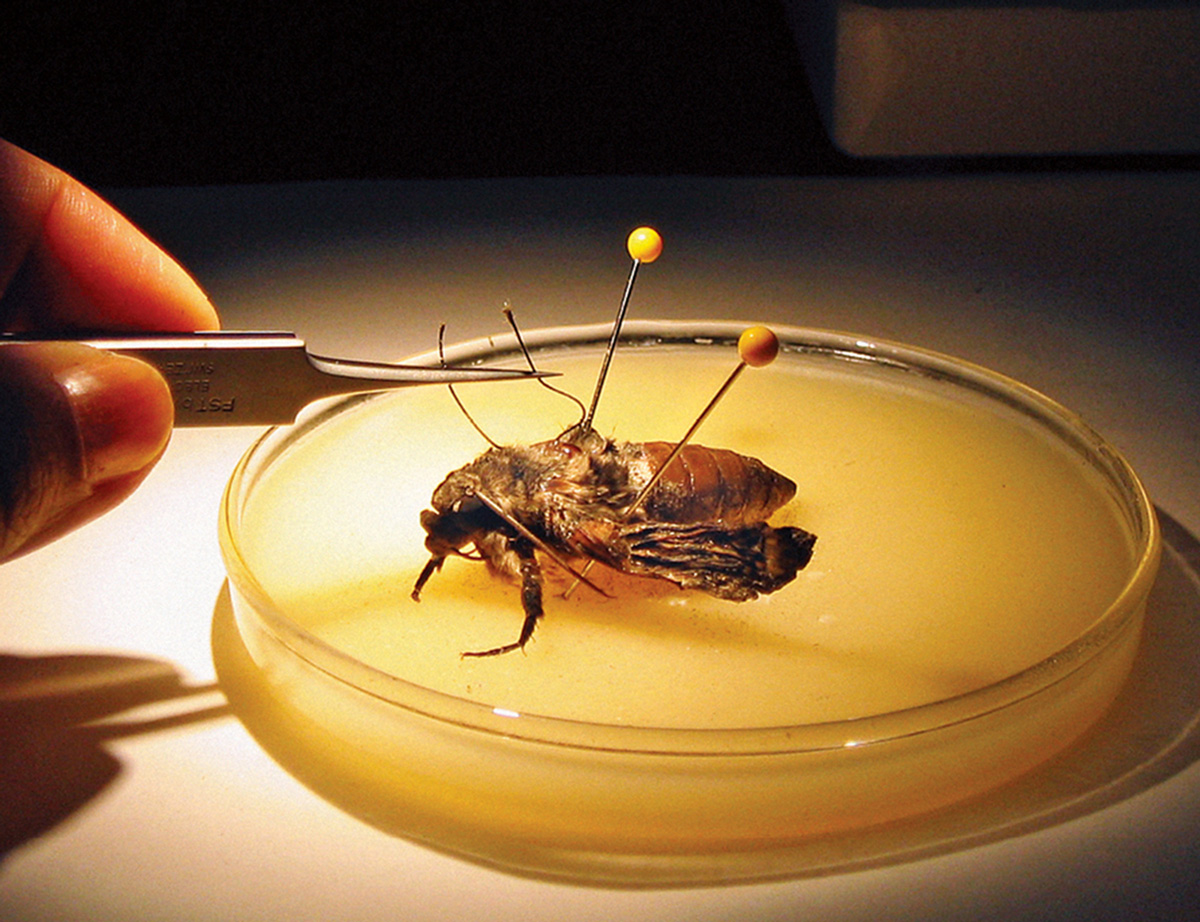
[
  {"x": 586, "y": 426},
  {"x": 657, "y": 476}
]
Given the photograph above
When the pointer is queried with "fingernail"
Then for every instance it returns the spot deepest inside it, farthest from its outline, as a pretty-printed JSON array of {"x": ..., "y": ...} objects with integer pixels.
[{"x": 123, "y": 413}]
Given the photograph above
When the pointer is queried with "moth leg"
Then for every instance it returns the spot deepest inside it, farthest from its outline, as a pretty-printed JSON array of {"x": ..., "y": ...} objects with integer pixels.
[
  {"x": 531, "y": 599},
  {"x": 434, "y": 564}
]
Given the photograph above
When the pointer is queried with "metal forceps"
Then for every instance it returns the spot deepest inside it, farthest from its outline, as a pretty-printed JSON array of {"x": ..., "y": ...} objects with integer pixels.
[{"x": 264, "y": 378}]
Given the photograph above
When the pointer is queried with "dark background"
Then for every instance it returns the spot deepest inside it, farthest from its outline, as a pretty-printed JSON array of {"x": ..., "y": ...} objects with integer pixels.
[
  {"x": 191, "y": 93},
  {"x": 194, "y": 93}
]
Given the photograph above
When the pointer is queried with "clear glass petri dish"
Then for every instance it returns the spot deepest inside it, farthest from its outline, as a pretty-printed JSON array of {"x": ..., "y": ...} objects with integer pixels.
[{"x": 973, "y": 605}]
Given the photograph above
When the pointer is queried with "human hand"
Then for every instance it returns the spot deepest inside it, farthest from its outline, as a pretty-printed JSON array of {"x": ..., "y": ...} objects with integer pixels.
[{"x": 79, "y": 428}]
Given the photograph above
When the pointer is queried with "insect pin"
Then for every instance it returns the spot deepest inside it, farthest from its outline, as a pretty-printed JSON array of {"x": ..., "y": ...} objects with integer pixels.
[{"x": 676, "y": 511}]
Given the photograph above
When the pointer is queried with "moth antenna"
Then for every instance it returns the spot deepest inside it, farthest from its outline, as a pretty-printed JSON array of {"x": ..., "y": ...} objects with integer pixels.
[
  {"x": 644, "y": 245},
  {"x": 453, "y": 393},
  {"x": 512, "y": 322}
]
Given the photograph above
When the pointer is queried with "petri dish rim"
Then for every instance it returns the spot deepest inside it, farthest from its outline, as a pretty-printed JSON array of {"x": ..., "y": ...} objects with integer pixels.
[{"x": 892, "y": 358}]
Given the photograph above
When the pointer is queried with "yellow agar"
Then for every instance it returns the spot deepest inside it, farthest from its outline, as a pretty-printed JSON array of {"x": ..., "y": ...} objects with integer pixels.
[{"x": 957, "y": 544}]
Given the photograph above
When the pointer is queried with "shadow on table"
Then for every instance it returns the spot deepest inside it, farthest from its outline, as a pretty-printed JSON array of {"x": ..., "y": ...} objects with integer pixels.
[
  {"x": 57, "y": 714},
  {"x": 1151, "y": 733}
]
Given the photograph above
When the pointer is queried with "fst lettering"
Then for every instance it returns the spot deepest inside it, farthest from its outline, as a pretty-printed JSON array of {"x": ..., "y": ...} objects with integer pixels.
[{"x": 208, "y": 405}]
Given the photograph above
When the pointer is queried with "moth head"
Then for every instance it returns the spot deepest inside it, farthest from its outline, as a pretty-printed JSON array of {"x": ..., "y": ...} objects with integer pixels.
[{"x": 459, "y": 523}]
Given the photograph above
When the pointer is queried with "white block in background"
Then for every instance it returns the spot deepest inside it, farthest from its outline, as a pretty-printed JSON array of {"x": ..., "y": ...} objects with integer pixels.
[{"x": 972, "y": 77}]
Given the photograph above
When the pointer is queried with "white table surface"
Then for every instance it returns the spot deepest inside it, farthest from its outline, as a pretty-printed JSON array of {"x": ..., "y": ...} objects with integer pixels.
[{"x": 1081, "y": 285}]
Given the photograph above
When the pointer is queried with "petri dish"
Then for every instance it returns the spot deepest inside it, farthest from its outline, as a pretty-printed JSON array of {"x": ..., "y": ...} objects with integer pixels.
[{"x": 973, "y": 605}]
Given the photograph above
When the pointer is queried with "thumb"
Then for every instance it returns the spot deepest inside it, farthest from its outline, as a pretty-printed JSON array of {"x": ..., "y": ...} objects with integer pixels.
[{"x": 79, "y": 429}]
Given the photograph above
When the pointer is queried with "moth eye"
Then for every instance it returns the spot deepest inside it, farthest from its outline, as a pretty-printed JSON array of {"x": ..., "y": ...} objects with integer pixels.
[{"x": 467, "y": 505}]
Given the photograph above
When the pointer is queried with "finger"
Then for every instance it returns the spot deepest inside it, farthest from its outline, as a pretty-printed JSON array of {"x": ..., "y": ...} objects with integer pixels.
[
  {"x": 69, "y": 260},
  {"x": 82, "y": 429}
]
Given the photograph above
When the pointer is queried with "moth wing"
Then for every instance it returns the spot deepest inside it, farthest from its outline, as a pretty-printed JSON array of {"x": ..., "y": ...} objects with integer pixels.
[{"x": 730, "y": 563}]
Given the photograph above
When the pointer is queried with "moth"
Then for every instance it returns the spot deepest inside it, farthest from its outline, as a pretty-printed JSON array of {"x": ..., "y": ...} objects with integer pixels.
[
  {"x": 702, "y": 527},
  {"x": 693, "y": 515}
]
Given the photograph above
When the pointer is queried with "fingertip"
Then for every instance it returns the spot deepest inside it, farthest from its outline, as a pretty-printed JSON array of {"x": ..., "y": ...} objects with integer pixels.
[
  {"x": 68, "y": 258},
  {"x": 123, "y": 414},
  {"x": 82, "y": 428},
  {"x": 121, "y": 273}
]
